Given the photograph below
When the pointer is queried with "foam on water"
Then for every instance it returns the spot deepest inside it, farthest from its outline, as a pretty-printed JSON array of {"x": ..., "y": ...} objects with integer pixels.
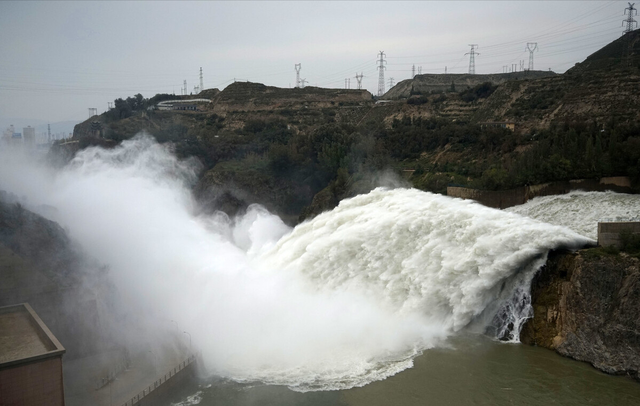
[
  {"x": 345, "y": 299},
  {"x": 581, "y": 211}
]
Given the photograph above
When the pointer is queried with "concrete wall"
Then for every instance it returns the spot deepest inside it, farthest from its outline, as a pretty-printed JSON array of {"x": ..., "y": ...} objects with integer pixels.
[
  {"x": 609, "y": 232},
  {"x": 498, "y": 199},
  {"x": 501, "y": 199},
  {"x": 38, "y": 383}
]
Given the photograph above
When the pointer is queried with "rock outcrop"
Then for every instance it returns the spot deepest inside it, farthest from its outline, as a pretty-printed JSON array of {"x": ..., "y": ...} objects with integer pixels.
[
  {"x": 429, "y": 83},
  {"x": 587, "y": 307}
]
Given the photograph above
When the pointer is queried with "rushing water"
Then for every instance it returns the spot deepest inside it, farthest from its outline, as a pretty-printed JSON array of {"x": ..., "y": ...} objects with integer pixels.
[
  {"x": 466, "y": 369},
  {"x": 581, "y": 211},
  {"x": 375, "y": 294}
]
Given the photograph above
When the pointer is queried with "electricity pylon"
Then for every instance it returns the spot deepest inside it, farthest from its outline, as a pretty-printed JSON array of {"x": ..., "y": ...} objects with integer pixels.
[
  {"x": 298, "y": 67},
  {"x": 631, "y": 11},
  {"x": 359, "y": 79},
  {"x": 381, "y": 68},
  {"x": 531, "y": 47},
  {"x": 472, "y": 59}
]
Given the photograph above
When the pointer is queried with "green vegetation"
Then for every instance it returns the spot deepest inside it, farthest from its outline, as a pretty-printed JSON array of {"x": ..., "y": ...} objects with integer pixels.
[
  {"x": 325, "y": 153},
  {"x": 630, "y": 243},
  {"x": 600, "y": 252}
]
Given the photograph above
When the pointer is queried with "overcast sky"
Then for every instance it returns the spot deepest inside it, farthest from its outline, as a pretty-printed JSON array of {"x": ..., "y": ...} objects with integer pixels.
[{"x": 57, "y": 59}]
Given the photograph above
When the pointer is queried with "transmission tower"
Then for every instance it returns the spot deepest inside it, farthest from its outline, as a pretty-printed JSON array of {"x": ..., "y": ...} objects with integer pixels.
[
  {"x": 413, "y": 71},
  {"x": 521, "y": 65},
  {"x": 631, "y": 11},
  {"x": 531, "y": 47},
  {"x": 419, "y": 70},
  {"x": 185, "y": 87},
  {"x": 472, "y": 58},
  {"x": 359, "y": 79},
  {"x": 302, "y": 82},
  {"x": 381, "y": 68},
  {"x": 391, "y": 83},
  {"x": 298, "y": 67},
  {"x": 201, "y": 85},
  {"x": 49, "y": 132}
]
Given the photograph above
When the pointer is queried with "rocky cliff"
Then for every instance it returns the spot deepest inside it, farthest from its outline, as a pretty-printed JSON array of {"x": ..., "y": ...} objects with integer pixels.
[
  {"x": 587, "y": 307},
  {"x": 430, "y": 83}
]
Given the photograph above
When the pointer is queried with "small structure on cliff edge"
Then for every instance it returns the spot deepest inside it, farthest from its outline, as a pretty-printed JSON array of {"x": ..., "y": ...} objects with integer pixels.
[
  {"x": 614, "y": 233},
  {"x": 509, "y": 125}
]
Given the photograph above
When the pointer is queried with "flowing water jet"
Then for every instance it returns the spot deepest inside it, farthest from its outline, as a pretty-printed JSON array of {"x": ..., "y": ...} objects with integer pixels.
[{"x": 349, "y": 297}]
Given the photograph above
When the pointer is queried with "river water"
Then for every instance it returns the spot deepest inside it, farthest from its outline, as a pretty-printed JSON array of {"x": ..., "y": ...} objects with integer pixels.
[{"x": 474, "y": 370}]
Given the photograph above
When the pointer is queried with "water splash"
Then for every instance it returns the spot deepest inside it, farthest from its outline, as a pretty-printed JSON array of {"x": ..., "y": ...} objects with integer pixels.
[{"x": 345, "y": 299}]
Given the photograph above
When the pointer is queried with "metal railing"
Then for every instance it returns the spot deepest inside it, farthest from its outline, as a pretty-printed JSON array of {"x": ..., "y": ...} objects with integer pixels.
[
  {"x": 122, "y": 365},
  {"x": 163, "y": 379}
]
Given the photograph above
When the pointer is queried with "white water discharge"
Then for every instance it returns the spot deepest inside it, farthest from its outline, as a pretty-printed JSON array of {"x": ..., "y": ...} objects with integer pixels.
[
  {"x": 581, "y": 211},
  {"x": 347, "y": 298}
]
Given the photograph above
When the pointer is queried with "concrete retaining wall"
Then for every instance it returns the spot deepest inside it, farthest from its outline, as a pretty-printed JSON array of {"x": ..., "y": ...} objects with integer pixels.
[
  {"x": 502, "y": 199},
  {"x": 156, "y": 392},
  {"x": 609, "y": 232}
]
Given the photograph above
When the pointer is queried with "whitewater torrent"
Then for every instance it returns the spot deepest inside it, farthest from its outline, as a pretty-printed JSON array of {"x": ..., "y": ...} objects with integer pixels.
[
  {"x": 345, "y": 299},
  {"x": 581, "y": 211}
]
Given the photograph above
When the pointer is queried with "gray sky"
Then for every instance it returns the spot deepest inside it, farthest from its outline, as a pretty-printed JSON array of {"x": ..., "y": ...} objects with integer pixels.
[{"x": 57, "y": 59}]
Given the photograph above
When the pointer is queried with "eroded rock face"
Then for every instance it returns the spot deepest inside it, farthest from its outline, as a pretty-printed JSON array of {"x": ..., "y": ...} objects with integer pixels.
[{"x": 587, "y": 307}]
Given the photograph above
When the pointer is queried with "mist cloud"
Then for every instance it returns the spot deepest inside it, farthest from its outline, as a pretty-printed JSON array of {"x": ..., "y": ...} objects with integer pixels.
[{"x": 344, "y": 299}]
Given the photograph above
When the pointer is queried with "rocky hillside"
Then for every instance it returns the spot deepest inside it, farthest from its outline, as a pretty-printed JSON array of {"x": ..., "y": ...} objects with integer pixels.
[
  {"x": 586, "y": 306},
  {"x": 605, "y": 87},
  {"x": 434, "y": 83},
  {"x": 256, "y": 96},
  {"x": 283, "y": 147}
]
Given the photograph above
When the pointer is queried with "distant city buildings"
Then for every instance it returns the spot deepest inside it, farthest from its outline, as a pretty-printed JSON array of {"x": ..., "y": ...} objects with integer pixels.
[
  {"x": 29, "y": 136},
  {"x": 29, "y": 139}
]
